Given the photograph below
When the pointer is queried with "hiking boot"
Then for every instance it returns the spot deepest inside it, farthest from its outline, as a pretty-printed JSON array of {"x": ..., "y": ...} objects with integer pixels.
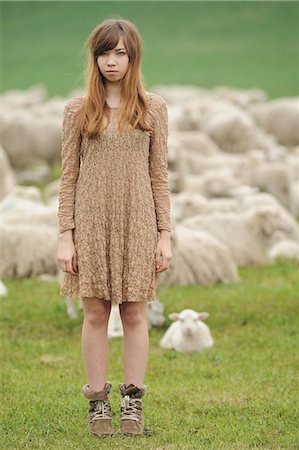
[
  {"x": 131, "y": 417},
  {"x": 100, "y": 414}
]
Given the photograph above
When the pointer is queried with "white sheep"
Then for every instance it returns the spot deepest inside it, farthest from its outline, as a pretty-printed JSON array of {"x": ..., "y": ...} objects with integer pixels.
[
  {"x": 27, "y": 250},
  {"x": 231, "y": 127},
  {"x": 188, "y": 333},
  {"x": 198, "y": 258},
  {"x": 286, "y": 249},
  {"x": 3, "y": 289},
  {"x": 7, "y": 176},
  {"x": 279, "y": 117},
  {"x": 275, "y": 177},
  {"x": 282, "y": 247},
  {"x": 248, "y": 234},
  {"x": 154, "y": 315}
]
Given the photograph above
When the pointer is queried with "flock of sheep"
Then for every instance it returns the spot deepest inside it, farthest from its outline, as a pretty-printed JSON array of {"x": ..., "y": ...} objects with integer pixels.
[{"x": 233, "y": 160}]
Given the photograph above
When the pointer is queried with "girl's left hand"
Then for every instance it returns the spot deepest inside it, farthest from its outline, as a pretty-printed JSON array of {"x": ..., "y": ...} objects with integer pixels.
[{"x": 163, "y": 255}]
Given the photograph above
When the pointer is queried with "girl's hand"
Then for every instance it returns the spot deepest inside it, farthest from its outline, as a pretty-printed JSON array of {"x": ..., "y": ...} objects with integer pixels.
[
  {"x": 67, "y": 256},
  {"x": 163, "y": 253}
]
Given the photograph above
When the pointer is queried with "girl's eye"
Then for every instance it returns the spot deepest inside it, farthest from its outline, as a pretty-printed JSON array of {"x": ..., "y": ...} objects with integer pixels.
[{"x": 119, "y": 53}]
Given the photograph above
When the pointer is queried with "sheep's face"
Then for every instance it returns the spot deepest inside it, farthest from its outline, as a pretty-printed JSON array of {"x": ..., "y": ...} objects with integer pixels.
[
  {"x": 268, "y": 219},
  {"x": 189, "y": 321}
]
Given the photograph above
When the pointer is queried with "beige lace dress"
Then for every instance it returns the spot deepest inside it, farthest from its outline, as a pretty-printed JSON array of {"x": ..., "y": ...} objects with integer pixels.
[{"x": 114, "y": 194}]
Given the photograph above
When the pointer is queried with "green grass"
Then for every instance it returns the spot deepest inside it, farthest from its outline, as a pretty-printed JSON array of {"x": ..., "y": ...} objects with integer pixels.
[
  {"x": 240, "y": 44},
  {"x": 241, "y": 394}
]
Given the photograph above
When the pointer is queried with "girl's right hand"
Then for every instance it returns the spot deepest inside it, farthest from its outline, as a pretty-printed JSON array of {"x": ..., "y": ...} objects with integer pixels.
[{"x": 67, "y": 256}]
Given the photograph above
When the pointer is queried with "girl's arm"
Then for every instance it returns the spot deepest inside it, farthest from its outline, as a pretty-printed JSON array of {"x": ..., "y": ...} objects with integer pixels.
[
  {"x": 70, "y": 164},
  {"x": 158, "y": 167}
]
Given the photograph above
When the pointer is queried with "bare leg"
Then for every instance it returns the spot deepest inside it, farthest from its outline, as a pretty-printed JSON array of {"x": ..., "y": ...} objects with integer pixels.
[
  {"x": 95, "y": 340},
  {"x": 136, "y": 341}
]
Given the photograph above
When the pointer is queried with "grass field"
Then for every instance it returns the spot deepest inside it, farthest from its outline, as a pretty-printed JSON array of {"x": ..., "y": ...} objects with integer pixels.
[
  {"x": 240, "y": 44},
  {"x": 241, "y": 394}
]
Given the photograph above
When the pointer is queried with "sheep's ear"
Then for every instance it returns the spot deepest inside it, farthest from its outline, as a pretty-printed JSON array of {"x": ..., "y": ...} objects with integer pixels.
[
  {"x": 203, "y": 315},
  {"x": 173, "y": 316}
]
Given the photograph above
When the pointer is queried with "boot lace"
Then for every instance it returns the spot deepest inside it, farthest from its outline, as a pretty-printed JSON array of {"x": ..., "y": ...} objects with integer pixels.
[
  {"x": 131, "y": 408},
  {"x": 100, "y": 409}
]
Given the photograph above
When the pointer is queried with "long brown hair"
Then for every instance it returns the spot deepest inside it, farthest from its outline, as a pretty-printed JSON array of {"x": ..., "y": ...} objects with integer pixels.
[{"x": 134, "y": 101}]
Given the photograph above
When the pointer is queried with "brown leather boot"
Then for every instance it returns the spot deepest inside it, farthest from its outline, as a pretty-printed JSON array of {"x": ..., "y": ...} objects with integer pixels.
[
  {"x": 131, "y": 417},
  {"x": 100, "y": 413}
]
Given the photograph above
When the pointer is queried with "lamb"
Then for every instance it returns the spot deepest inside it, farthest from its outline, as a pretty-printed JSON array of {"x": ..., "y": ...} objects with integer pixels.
[
  {"x": 247, "y": 234},
  {"x": 188, "y": 333}
]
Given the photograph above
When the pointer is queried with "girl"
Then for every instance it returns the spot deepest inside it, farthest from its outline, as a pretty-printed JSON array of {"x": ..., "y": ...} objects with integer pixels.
[{"x": 114, "y": 214}]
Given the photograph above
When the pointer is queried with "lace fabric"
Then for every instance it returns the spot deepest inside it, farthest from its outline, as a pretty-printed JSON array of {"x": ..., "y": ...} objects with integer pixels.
[{"x": 116, "y": 200}]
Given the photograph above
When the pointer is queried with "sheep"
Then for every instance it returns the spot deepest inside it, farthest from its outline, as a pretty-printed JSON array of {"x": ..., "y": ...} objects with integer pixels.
[
  {"x": 7, "y": 176},
  {"x": 115, "y": 327},
  {"x": 196, "y": 162},
  {"x": 196, "y": 142},
  {"x": 198, "y": 258},
  {"x": 24, "y": 205},
  {"x": 178, "y": 94},
  {"x": 294, "y": 198},
  {"x": 3, "y": 289},
  {"x": 279, "y": 117},
  {"x": 27, "y": 250},
  {"x": 247, "y": 234},
  {"x": 242, "y": 98},
  {"x": 154, "y": 316},
  {"x": 47, "y": 217},
  {"x": 231, "y": 127},
  {"x": 187, "y": 204},
  {"x": 273, "y": 177},
  {"x": 188, "y": 333},
  {"x": 283, "y": 248},
  {"x": 15, "y": 99},
  {"x": 212, "y": 183},
  {"x": 17, "y": 195},
  {"x": 30, "y": 138}
]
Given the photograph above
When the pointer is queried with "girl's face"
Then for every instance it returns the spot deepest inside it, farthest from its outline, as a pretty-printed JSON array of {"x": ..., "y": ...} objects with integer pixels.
[{"x": 115, "y": 60}]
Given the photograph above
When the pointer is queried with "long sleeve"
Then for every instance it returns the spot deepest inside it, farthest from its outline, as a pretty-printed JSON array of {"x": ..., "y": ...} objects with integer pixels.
[
  {"x": 70, "y": 165},
  {"x": 158, "y": 167}
]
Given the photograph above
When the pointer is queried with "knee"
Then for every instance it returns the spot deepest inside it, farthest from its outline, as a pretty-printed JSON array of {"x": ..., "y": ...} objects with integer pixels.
[
  {"x": 96, "y": 311},
  {"x": 132, "y": 315}
]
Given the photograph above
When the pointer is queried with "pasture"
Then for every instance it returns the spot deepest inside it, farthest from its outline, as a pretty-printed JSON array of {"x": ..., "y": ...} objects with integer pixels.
[{"x": 241, "y": 394}]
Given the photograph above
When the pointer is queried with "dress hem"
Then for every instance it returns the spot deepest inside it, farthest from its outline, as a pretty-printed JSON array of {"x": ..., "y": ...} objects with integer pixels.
[{"x": 77, "y": 295}]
